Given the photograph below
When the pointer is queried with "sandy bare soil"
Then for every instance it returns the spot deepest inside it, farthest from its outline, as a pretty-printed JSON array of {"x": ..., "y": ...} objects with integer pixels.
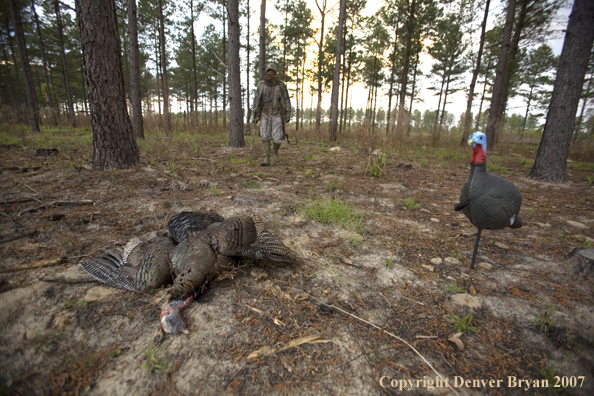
[{"x": 362, "y": 311}]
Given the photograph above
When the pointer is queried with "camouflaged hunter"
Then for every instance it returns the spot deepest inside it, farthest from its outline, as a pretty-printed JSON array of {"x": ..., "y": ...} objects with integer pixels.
[{"x": 272, "y": 107}]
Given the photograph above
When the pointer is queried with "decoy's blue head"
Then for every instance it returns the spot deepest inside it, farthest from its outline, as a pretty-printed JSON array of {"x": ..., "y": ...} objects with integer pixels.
[
  {"x": 478, "y": 138},
  {"x": 479, "y": 148}
]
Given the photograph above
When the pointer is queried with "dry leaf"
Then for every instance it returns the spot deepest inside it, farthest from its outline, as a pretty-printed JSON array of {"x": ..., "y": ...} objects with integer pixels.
[
  {"x": 472, "y": 291},
  {"x": 268, "y": 350},
  {"x": 456, "y": 340}
]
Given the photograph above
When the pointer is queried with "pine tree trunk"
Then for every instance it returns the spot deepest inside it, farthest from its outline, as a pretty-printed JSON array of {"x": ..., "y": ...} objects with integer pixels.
[
  {"x": 553, "y": 150},
  {"x": 494, "y": 122},
  {"x": 475, "y": 73},
  {"x": 48, "y": 94},
  {"x": 137, "y": 120},
  {"x": 247, "y": 72},
  {"x": 114, "y": 146},
  {"x": 236, "y": 127},
  {"x": 262, "y": 58},
  {"x": 405, "y": 66},
  {"x": 164, "y": 79},
  {"x": 24, "y": 59},
  {"x": 225, "y": 71},
  {"x": 320, "y": 63},
  {"x": 336, "y": 77},
  {"x": 64, "y": 65}
]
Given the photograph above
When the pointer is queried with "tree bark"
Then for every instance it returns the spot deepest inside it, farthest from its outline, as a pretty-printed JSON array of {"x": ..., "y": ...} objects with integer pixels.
[
  {"x": 24, "y": 59},
  {"x": 262, "y": 59},
  {"x": 48, "y": 94},
  {"x": 475, "y": 73},
  {"x": 64, "y": 64},
  {"x": 404, "y": 81},
  {"x": 336, "y": 77},
  {"x": 320, "y": 62},
  {"x": 164, "y": 80},
  {"x": 137, "y": 121},
  {"x": 494, "y": 122},
  {"x": 114, "y": 146},
  {"x": 236, "y": 122},
  {"x": 247, "y": 72},
  {"x": 551, "y": 158}
]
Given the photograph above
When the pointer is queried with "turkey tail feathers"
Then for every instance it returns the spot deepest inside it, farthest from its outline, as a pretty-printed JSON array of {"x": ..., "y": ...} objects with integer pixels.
[
  {"x": 268, "y": 247},
  {"x": 108, "y": 268},
  {"x": 182, "y": 223}
]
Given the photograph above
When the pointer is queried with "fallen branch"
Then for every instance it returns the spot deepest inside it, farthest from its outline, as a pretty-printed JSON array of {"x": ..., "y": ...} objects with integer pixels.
[
  {"x": 26, "y": 235},
  {"x": 35, "y": 265},
  {"x": 18, "y": 200},
  {"x": 56, "y": 203}
]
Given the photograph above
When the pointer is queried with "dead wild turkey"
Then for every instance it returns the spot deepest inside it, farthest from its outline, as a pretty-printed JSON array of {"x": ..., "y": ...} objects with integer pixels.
[
  {"x": 207, "y": 246},
  {"x": 488, "y": 201}
]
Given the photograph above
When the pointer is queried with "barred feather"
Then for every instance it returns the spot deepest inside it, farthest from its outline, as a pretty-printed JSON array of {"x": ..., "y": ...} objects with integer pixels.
[
  {"x": 141, "y": 266},
  {"x": 182, "y": 223},
  {"x": 268, "y": 247}
]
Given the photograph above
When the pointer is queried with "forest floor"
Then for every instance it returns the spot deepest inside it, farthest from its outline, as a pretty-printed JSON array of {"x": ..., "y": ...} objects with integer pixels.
[{"x": 366, "y": 307}]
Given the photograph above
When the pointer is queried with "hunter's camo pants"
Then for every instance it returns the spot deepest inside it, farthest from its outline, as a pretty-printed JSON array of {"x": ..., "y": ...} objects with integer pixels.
[{"x": 271, "y": 128}]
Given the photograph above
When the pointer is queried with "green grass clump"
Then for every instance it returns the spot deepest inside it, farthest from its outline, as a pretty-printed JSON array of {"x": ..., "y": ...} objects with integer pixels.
[
  {"x": 250, "y": 184},
  {"x": 336, "y": 211},
  {"x": 153, "y": 363},
  {"x": 546, "y": 318},
  {"x": 452, "y": 287},
  {"x": 462, "y": 325},
  {"x": 410, "y": 203},
  {"x": 496, "y": 168}
]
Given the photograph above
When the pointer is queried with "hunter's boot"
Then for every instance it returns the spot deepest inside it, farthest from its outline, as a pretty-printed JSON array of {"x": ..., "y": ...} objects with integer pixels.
[
  {"x": 266, "y": 149},
  {"x": 275, "y": 147}
]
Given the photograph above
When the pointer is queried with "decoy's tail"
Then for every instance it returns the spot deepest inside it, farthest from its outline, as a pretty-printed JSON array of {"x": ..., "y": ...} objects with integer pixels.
[{"x": 461, "y": 205}]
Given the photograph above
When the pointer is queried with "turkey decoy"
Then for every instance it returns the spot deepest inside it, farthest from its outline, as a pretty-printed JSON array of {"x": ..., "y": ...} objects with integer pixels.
[
  {"x": 488, "y": 201},
  {"x": 208, "y": 245}
]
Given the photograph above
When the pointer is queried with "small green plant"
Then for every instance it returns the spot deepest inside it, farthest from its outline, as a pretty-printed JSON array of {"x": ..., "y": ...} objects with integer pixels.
[
  {"x": 423, "y": 162},
  {"x": 374, "y": 166},
  {"x": 170, "y": 166},
  {"x": 546, "y": 318},
  {"x": 114, "y": 353},
  {"x": 160, "y": 366},
  {"x": 260, "y": 175},
  {"x": 554, "y": 386},
  {"x": 462, "y": 325},
  {"x": 336, "y": 211},
  {"x": 496, "y": 168},
  {"x": 455, "y": 255},
  {"x": 250, "y": 184},
  {"x": 334, "y": 186},
  {"x": 388, "y": 262},
  {"x": 214, "y": 191},
  {"x": 75, "y": 301},
  {"x": 46, "y": 343},
  {"x": 309, "y": 172},
  {"x": 237, "y": 161},
  {"x": 88, "y": 362},
  {"x": 452, "y": 287},
  {"x": 409, "y": 203},
  {"x": 590, "y": 180}
]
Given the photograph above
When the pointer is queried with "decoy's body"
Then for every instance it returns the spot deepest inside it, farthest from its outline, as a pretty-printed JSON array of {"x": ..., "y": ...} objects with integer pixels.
[
  {"x": 208, "y": 245},
  {"x": 488, "y": 201}
]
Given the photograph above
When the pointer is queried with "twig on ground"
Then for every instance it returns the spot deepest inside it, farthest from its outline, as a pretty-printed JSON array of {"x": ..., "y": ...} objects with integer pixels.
[
  {"x": 26, "y": 235},
  {"x": 56, "y": 203},
  {"x": 35, "y": 265}
]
